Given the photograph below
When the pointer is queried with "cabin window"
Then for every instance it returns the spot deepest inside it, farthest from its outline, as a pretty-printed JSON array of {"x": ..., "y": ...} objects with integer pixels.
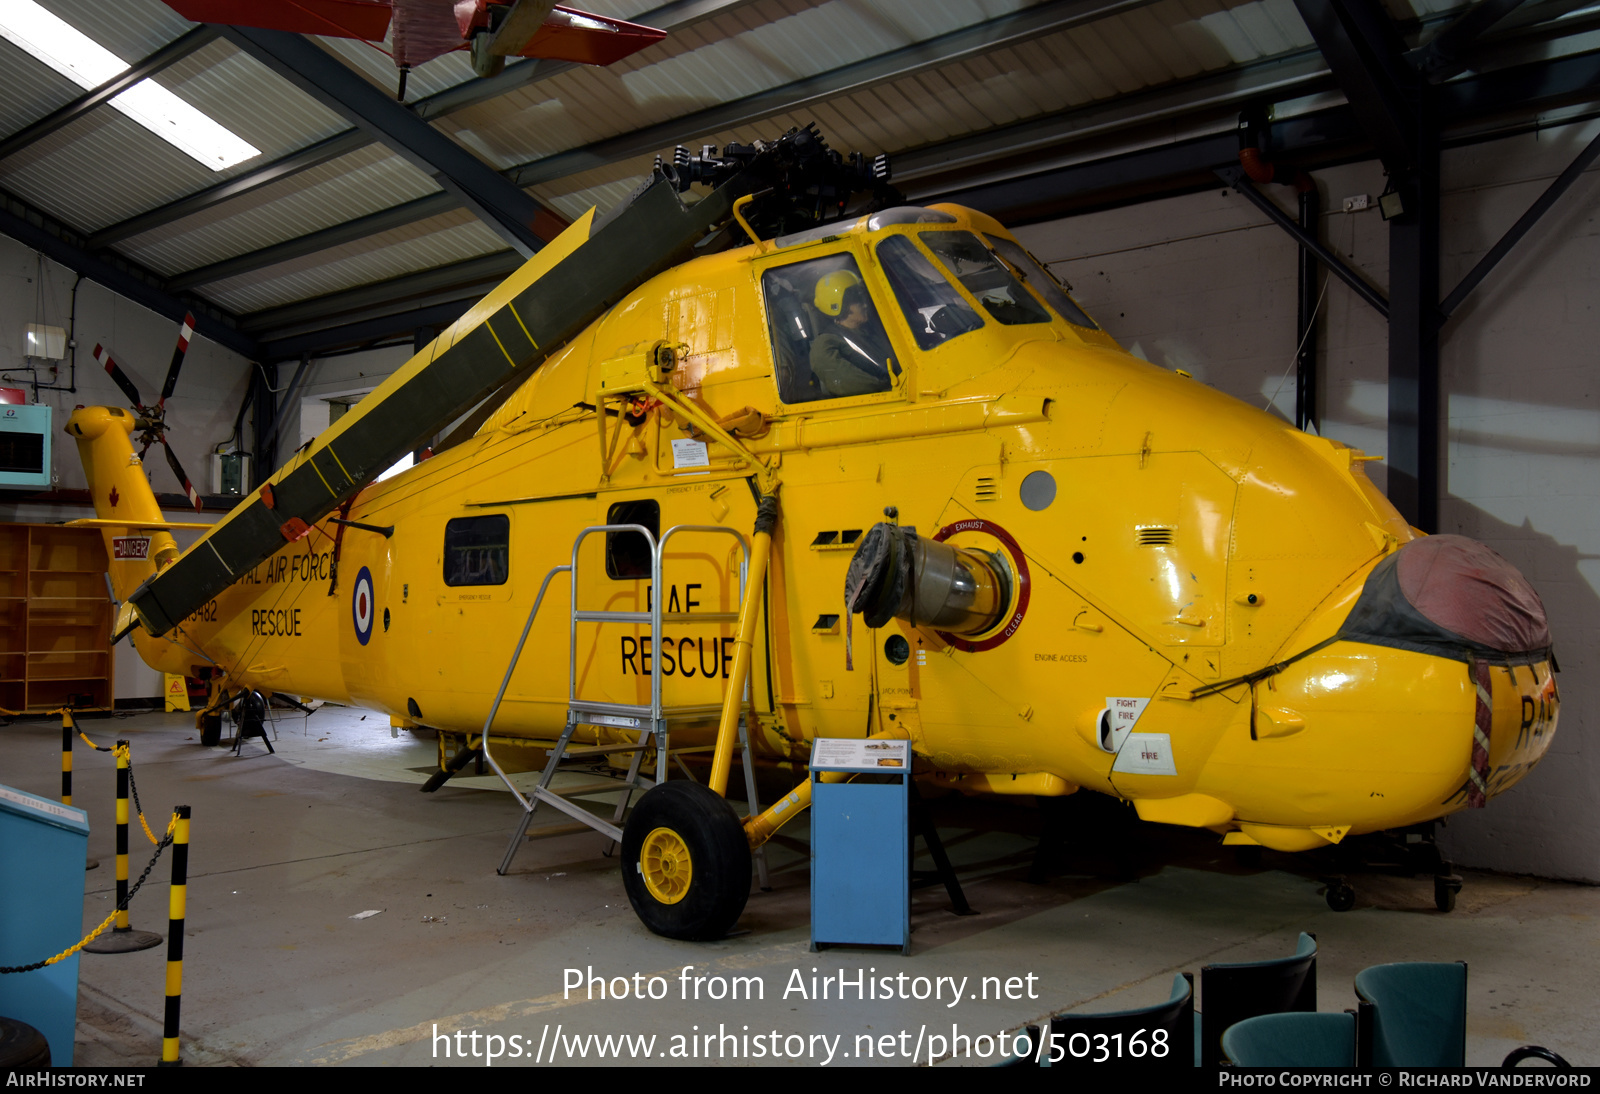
[
  {"x": 1040, "y": 280},
  {"x": 933, "y": 308},
  {"x": 985, "y": 277},
  {"x": 477, "y": 550},
  {"x": 628, "y": 553},
  {"x": 827, "y": 339}
]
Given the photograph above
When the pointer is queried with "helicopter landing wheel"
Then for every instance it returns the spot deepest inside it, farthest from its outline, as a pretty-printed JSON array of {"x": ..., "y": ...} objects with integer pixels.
[
  {"x": 685, "y": 862},
  {"x": 1340, "y": 897},
  {"x": 1445, "y": 888},
  {"x": 211, "y": 730}
]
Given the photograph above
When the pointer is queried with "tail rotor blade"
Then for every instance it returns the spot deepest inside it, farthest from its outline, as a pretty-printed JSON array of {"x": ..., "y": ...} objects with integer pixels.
[
  {"x": 104, "y": 357},
  {"x": 184, "y": 334},
  {"x": 177, "y": 469}
]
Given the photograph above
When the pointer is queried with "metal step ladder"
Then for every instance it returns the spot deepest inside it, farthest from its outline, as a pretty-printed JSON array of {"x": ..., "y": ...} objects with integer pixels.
[{"x": 651, "y": 720}]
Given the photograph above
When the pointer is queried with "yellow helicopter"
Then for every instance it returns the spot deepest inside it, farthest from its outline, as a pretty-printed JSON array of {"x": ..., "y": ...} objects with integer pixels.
[{"x": 731, "y": 426}]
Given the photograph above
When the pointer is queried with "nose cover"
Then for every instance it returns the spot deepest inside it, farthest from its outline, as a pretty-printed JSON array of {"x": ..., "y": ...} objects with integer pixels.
[{"x": 1451, "y": 596}]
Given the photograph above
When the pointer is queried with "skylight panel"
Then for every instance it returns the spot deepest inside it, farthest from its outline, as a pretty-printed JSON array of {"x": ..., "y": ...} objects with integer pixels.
[{"x": 89, "y": 64}]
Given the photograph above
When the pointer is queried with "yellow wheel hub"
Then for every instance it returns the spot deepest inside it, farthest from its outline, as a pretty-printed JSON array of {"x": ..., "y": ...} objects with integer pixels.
[{"x": 664, "y": 862}]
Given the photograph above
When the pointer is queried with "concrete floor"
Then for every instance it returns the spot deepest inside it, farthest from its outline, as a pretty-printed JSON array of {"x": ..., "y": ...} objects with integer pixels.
[{"x": 286, "y": 849}]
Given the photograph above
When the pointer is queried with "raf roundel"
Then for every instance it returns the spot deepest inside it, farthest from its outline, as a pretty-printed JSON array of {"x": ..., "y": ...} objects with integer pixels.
[{"x": 361, "y": 605}]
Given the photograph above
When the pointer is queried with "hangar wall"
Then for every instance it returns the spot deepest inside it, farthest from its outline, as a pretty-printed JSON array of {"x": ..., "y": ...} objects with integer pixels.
[
  {"x": 200, "y": 412},
  {"x": 1205, "y": 283}
]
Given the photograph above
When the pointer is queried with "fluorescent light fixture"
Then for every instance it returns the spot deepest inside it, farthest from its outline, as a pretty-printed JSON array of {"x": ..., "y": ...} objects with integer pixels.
[{"x": 88, "y": 64}]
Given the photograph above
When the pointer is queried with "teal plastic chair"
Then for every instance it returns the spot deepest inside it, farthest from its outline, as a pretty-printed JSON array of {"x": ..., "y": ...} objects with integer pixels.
[
  {"x": 1292, "y": 1040},
  {"x": 1175, "y": 1018},
  {"x": 1418, "y": 1014},
  {"x": 1079, "y": 1038},
  {"x": 1232, "y": 993}
]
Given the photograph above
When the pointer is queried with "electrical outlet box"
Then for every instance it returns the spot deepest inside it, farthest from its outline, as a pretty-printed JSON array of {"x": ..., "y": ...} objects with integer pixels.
[{"x": 1357, "y": 203}]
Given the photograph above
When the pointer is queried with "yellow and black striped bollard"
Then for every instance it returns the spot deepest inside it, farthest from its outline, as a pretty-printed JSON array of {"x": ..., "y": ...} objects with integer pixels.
[
  {"x": 123, "y": 938},
  {"x": 68, "y": 731},
  {"x": 179, "y": 901},
  {"x": 66, "y": 757}
]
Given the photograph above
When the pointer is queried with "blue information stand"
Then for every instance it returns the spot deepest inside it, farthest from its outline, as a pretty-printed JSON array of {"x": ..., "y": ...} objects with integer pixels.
[
  {"x": 43, "y": 848},
  {"x": 861, "y": 845}
]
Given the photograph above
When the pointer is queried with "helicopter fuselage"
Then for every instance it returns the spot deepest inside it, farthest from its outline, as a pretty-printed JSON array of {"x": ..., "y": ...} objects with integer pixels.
[{"x": 1157, "y": 545}]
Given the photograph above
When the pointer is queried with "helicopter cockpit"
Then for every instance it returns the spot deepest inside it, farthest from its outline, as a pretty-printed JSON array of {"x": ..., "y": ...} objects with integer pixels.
[{"x": 826, "y": 327}]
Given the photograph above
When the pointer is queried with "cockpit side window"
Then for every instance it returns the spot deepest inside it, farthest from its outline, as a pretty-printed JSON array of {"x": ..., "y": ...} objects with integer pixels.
[
  {"x": 1040, "y": 280},
  {"x": 985, "y": 277},
  {"x": 827, "y": 339},
  {"x": 933, "y": 308}
]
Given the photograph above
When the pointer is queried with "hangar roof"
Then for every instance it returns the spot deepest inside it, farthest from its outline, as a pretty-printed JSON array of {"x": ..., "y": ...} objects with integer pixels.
[{"x": 362, "y": 219}]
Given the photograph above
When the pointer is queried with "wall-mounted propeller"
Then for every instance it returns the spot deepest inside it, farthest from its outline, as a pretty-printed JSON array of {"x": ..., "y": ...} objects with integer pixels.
[{"x": 152, "y": 419}]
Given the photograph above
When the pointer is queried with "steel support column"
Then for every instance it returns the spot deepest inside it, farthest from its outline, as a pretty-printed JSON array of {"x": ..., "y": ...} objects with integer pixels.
[
  {"x": 1413, "y": 456},
  {"x": 1305, "y": 365}
]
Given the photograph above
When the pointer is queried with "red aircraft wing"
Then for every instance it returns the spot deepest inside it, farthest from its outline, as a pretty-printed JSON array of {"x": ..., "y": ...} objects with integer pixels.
[{"x": 367, "y": 19}]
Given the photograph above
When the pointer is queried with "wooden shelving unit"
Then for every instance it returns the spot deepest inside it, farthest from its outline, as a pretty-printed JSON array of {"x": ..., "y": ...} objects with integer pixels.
[{"x": 55, "y": 618}]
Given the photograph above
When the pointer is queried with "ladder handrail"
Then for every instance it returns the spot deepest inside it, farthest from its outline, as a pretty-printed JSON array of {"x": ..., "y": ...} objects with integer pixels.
[
  {"x": 657, "y": 549},
  {"x": 655, "y": 611},
  {"x": 494, "y": 708}
]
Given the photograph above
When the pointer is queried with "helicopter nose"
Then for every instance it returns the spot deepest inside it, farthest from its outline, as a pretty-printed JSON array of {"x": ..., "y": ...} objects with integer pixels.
[{"x": 1454, "y": 597}]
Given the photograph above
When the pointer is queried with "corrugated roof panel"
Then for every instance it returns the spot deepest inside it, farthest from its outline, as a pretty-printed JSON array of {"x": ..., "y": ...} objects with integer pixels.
[
  {"x": 245, "y": 96},
  {"x": 607, "y": 102},
  {"x": 423, "y": 246},
  {"x": 131, "y": 29},
  {"x": 1187, "y": 26},
  {"x": 102, "y": 169},
  {"x": 1171, "y": 40},
  {"x": 29, "y": 89},
  {"x": 363, "y": 182}
]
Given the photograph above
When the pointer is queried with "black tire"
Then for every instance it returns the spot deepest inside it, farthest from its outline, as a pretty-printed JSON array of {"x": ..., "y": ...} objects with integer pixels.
[
  {"x": 1444, "y": 893},
  {"x": 211, "y": 730},
  {"x": 1341, "y": 898},
  {"x": 709, "y": 833},
  {"x": 22, "y": 1046}
]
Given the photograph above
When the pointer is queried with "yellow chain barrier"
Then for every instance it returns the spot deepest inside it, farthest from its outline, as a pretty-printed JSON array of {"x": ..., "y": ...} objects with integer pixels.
[{"x": 123, "y": 753}]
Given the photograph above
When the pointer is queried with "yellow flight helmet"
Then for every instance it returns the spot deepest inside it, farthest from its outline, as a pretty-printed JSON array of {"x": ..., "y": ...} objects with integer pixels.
[{"x": 831, "y": 288}]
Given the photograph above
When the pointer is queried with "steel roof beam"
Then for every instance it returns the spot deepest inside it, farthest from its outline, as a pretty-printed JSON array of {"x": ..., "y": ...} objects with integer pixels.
[
  {"x": 313, "y": 155},
  {"x": 456, "y": 292},
  {"x": 511, "y": 214},
  {"x": 1442, "y": 57},
  {"x": 1364, "y": 50},
  {"x": 312, "y": 242},
  {"x": 174, "y": 51},
  {"x": 57, "y": 242},
  {"x": 670, "y": 17},
  {"x": 494, "y": 266},
  {"x": 366, "y": 330}
]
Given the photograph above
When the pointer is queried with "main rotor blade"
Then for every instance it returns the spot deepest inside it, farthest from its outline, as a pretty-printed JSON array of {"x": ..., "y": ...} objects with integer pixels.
[
  {"x": 177, "y": 469},
  {"x": 104, "y": 357},
  {"x": 184, "y": 334}
]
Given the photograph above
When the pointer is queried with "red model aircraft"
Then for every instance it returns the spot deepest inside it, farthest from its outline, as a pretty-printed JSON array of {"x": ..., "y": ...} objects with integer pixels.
[{"x": 425, "y": 29}]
